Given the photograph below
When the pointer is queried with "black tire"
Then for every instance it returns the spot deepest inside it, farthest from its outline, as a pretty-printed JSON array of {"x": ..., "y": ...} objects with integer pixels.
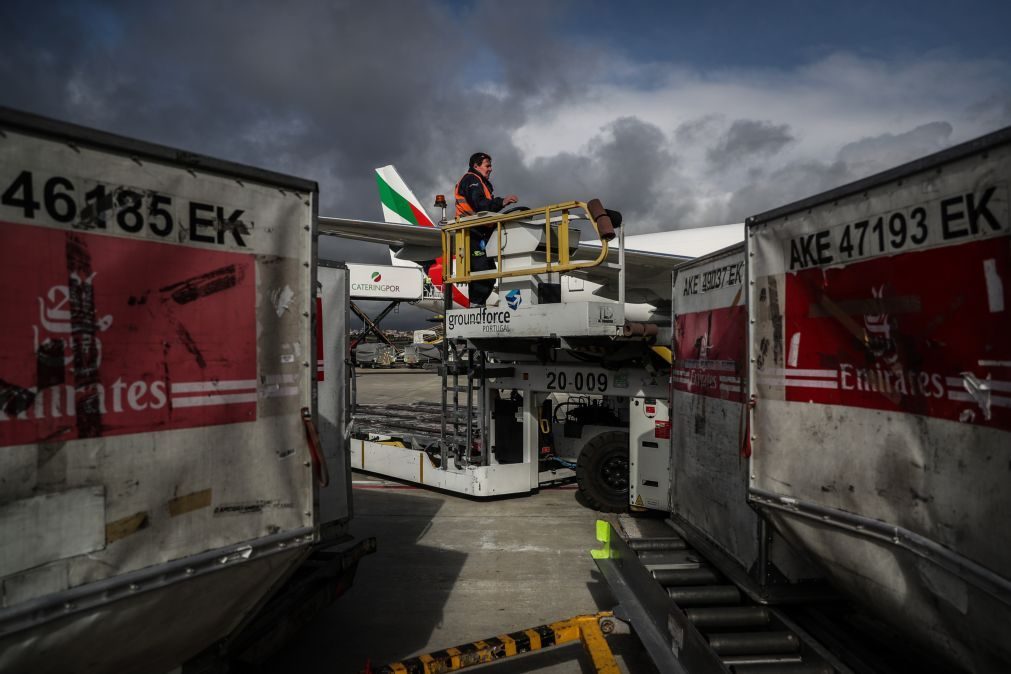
[{"x": 602, "y": 472}]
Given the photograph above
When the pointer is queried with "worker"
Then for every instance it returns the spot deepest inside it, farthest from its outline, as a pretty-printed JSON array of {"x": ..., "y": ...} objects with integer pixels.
[{"x": 475, "y": 193}]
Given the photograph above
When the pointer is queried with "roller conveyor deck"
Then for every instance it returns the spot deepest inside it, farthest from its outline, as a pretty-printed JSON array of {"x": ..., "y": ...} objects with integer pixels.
[
  {"x": 691, "y": 618},
  {"x": 420, "y": 421}
]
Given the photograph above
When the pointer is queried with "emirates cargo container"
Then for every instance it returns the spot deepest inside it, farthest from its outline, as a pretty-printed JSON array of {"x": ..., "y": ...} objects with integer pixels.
[
  {"x": 879, "y": 429},
  {"x": 160, "y": 471}
]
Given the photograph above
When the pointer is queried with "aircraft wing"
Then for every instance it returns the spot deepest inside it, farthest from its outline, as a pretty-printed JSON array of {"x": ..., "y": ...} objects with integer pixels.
[
  {"x": 647, "y": 274},
  {"x": 414, "y": 243},
  {"x": 648, "y": 279},
  {"x": 637, "y": 263},
  {"x": 379, "y": 232}
]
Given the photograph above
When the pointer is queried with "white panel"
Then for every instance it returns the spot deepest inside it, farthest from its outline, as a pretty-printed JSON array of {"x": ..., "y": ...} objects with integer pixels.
[
  {"x": 18, "y": 471},
  {"x": 35, "y": 582},
  {"x": 415, "y": 466},
  {"x": 568, "y": 319},
  {"x": 649, "y": 451},
  {"x": 583, "y": 378},
  {"x": 386, "y": 282},
  {"x": 46, "y": 527}
]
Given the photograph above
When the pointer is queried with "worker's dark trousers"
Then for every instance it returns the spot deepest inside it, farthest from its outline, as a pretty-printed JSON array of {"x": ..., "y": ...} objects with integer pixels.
[{"x": 480, "y": 290}]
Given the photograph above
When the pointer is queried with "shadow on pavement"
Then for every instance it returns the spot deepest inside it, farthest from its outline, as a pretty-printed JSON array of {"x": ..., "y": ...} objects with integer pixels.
[{"x": 397, "y": 598}]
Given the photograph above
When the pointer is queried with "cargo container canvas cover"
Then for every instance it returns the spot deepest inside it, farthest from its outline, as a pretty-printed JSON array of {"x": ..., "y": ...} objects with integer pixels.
[
  {"x": 881, "y": 371},
  {"x": 155, "y": 349},
  {"x": 708, "y": 467}
]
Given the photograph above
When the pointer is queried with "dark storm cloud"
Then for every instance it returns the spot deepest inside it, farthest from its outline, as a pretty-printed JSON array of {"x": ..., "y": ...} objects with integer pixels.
[
  {"x": 533, "y": 70},
  {"x": 994, "y": 111},
  {"x": 769, "y": 189},
  {"x": 696, "y": 130},
  {"x": 327, "y": 91},
  {"x": 330, "y": 90},
  {"x": 748, "y": 139},
  {"x": 870, "y": 155},
  {"x": 322, "y": 90},
  {"x": 628, "y": 166}
]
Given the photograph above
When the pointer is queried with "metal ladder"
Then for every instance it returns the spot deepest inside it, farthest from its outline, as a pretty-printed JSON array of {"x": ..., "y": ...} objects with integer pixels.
[{"x": 462, "y": 433}]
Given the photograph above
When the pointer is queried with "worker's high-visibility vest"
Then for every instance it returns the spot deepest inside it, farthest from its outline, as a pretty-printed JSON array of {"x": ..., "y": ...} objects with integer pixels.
[{"x": 462, "y": 207}]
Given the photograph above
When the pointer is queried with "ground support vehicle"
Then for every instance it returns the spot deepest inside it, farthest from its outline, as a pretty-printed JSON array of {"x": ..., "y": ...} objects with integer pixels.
[
  {"x": 422, "y": 355},
  {"x": 425, "y": 350},
  {"x": 163, "y": 488},
  {"x": 839, "y": 409},
  {"x": 535, "y": 389},
  {"x": 374, "y": 354},
  {"x": 392, "y": 284}
]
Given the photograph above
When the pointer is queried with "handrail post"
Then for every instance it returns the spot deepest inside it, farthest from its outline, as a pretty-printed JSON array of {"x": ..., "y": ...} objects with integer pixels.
[
  {"x": 547, "y": 238},
  {"x": 498, "y": 253},
  {"x": 563, "y": 239},
  {"x": 621, "y": 265},
  {"x": 447, "y": 304}
]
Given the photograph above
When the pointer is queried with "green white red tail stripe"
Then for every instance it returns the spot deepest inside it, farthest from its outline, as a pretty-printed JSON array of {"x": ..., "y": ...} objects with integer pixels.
[
  {"x": 399, "y": 203},
  {"x": 402, "y": 207}
]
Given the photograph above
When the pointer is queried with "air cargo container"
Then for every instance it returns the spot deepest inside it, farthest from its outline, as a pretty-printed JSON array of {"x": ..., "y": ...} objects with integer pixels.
[
  {"x": 879, "y": 429},
  {"x": 161, "y": 473}
]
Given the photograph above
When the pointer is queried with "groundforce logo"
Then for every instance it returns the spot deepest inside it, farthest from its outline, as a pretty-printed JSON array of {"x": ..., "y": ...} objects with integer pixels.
[{"x": 482, "y": 317}]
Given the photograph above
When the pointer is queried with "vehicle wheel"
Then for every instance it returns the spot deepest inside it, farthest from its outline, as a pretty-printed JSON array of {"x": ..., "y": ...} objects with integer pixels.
[{"x": 602, "y": 472}]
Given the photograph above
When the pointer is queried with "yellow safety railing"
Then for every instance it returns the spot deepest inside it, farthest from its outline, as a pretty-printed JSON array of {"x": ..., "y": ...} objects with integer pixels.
[{"x": 456, "y": 241}]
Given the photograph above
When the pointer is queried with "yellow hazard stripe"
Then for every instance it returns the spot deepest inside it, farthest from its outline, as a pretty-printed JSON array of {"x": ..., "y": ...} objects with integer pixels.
[
  {"x": 596, "y": 645},
  {"x": 585, "y": 628},
  {"x": 509, "y": 643},
  {"x": 664, "y": 353},
  {"x": 565, "y": 631}
]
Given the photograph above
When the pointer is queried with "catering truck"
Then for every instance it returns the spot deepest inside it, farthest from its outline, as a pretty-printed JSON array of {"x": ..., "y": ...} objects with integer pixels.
[{"x": 164, "y": 488}]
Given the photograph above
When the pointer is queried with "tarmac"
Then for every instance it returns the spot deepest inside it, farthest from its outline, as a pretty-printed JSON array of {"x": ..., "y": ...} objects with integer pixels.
[{"x": 450, "y": 570}]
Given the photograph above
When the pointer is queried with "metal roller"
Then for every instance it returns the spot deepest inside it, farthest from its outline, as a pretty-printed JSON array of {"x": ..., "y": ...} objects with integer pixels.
[
  {"x": 705, "y": 595},
  {"x": 656, "y": 544},
  {"x": 682, "y": 577},
  {"x": 780, "y": 667},
  {"x": 728, "y": 616},
  {"x": 752, "y": 643}
]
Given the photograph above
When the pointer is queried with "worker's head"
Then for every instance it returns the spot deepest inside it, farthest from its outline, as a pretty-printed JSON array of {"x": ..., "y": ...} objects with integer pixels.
[{"x": 481, "y": 162}]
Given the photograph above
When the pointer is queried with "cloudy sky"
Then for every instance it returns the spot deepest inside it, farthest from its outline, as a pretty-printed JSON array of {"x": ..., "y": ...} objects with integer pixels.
[{"x": 679, "y": 114}]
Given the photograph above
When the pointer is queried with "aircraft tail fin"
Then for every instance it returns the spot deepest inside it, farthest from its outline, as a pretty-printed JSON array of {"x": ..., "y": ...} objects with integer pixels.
[
  {"x": 398, "y": 201},
  {"x": 401, "y": 206}
]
